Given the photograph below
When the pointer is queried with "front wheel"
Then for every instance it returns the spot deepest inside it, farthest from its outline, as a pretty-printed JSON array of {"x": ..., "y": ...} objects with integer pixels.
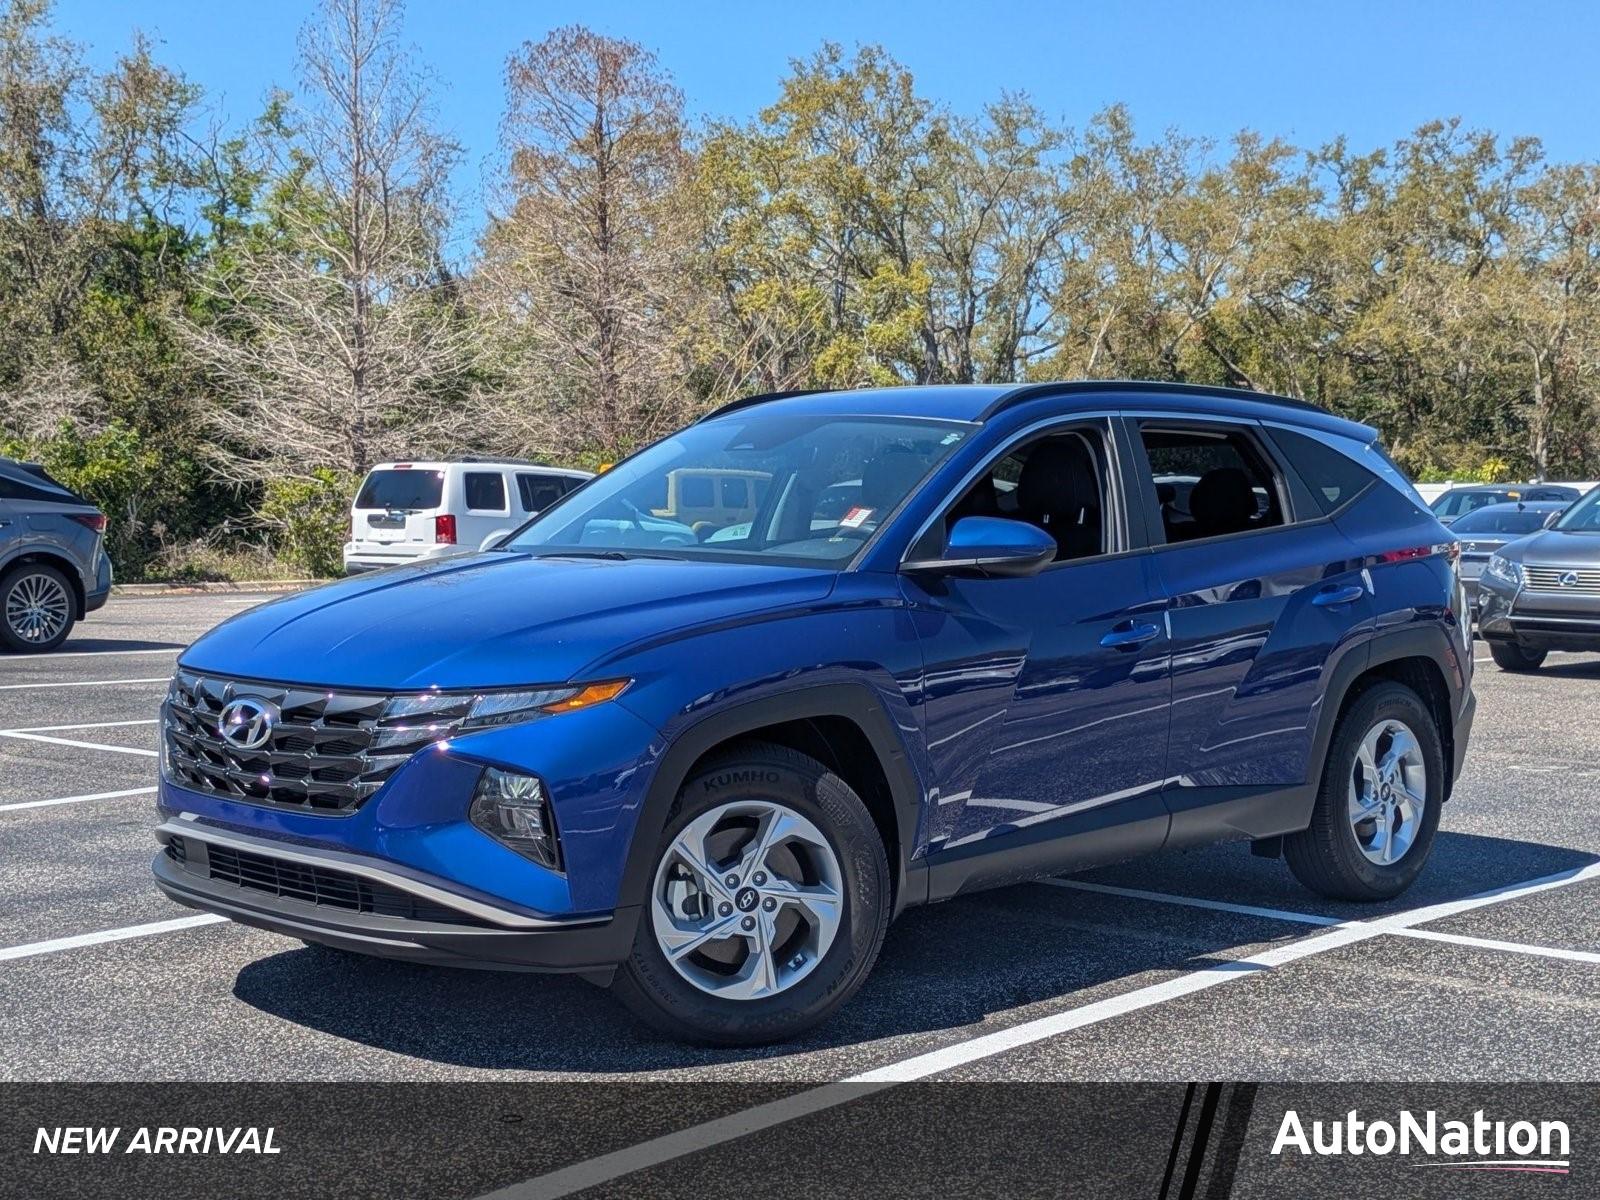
[
  {"x": 769, "y": 899},
  {"x": 36, "y": 608},
  {"x": 1378, "y": 806},
  {"x": 1509, "y": 656}
]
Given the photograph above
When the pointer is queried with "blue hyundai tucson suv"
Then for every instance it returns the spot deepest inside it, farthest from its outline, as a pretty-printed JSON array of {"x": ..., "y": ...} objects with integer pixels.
[{"x": 944, "y": 638}]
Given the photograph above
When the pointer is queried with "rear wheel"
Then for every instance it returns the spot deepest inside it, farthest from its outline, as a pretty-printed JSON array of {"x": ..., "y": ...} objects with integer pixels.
[
  {"x": 769, "y": 898},
  {"x": 1509, "y": 656},
  {"x": 1378, "y": 806},
  {"x": 36, "y": 608}
]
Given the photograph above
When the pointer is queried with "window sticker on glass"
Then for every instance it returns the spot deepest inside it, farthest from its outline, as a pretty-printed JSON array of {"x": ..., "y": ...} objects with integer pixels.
[{"x": 855, "y": 518}]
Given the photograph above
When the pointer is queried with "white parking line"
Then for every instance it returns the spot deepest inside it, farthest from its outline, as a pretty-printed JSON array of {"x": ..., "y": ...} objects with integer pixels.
[
  {"x": 1249, "y": 910},
  {"x": 89, "y": 725},
  {"x": 108, "y": 935},
  {"x": 138, "y": 791},
  {"x": 606, "y": 1167},
  {"x": 55, "y": 741},
  {"x": 1462, "y": 939},
  {"x": 26, "y": 687},
  {"x": 97, "y": 653},
  {"x": 1279, "y": 914}
]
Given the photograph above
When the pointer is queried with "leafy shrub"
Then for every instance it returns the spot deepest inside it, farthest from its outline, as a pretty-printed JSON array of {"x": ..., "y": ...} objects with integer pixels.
[{"x": 309, "y": 519}]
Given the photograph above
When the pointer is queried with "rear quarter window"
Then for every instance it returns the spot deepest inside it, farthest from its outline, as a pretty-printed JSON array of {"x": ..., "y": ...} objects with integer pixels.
[
  {"x": 1334, "y": 480},
  {"x": 485, "y": 490}
]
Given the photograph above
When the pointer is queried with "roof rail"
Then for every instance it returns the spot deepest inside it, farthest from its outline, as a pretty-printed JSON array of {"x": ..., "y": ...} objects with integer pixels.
[
  {"x": 1037, "y": 391},
  {"x": 491, "y": 459},
  {"x": 762, "y": 398}
]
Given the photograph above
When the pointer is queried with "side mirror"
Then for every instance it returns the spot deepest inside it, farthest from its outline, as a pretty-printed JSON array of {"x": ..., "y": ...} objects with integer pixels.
[
  {"x": 993, "y": 546},
  {"x": 493, "y": 540},
  {"x": 1551, "y": 518}
]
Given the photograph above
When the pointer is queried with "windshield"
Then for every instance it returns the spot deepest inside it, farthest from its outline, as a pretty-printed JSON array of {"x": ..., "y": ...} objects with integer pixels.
[
  {"x": 402, "y": 489},
  {"x": 1502, "y": 520},
  {"x": 768, "y": 486},
  {"x": 1454, "y": 504},
  {"x": 1582, "y": 517}
]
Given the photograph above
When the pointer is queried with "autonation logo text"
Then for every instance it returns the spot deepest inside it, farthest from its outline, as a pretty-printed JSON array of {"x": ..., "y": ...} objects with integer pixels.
[{"x": 1479, "y": 1144}]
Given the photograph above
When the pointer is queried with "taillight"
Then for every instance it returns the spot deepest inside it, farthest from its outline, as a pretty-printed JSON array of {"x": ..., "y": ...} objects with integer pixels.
[
  {"x": 1451, "y": 550},
  {"x": 94, "y": 521},
  {"x": 444, "y": 529}
]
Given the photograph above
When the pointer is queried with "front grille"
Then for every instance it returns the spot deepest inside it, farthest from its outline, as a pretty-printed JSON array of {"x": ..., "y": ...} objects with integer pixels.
[
  {"x": 324, "y": 886},
  {"x": 1550, "y": 579},
  {"x": 327, "y": 751}
]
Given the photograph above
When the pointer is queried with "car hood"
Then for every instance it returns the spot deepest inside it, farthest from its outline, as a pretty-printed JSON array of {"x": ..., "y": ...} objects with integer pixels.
[
  {"x": 490, "y": 620},
  {"x": 1552, "y": 547}
]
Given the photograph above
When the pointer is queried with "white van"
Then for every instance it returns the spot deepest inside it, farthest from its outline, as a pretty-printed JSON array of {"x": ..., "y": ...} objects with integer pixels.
[{"x": 411, "y": 510}]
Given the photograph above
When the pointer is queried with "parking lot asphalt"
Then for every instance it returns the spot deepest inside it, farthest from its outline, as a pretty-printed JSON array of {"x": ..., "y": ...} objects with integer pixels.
[{"x": 1204, "y": 964}]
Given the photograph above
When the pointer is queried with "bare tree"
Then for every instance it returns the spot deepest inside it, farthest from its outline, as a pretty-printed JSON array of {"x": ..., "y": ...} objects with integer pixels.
[
  {"x": 339, "y": 338},
  {"x": 587, "y": 265}
]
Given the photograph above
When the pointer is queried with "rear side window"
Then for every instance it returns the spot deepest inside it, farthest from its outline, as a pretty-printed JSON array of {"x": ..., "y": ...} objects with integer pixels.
[
  {"x": 1334, "y": 480},
  {"x": 401, "y": 489},
  {"x": 485, "y": 489},
  {"x": 1211, "y": 482},
  {"x": 735, "y": 493},
  {"x": 539, "y": 492}
]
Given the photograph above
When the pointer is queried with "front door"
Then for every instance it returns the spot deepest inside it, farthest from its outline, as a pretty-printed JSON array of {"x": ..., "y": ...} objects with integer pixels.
[{"x": 1046, "y": 699}]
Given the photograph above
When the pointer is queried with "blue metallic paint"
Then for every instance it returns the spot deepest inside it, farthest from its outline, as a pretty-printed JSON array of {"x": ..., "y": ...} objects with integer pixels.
[{"x": 1007, "y": 718}]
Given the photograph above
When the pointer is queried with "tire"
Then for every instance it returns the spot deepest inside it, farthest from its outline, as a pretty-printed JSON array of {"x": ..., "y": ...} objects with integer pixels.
[
  {"x": 30, "y": 594},
  {"x": 1342, "y": 859},
  {"x": 752, "y": 784},
  {"x": 1509, "y": 656}
]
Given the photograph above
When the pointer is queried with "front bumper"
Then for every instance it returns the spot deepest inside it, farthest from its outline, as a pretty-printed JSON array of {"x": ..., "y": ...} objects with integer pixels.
[
  {"x": 356, "y": 903},
  {"x": 1537, "y": 620}
]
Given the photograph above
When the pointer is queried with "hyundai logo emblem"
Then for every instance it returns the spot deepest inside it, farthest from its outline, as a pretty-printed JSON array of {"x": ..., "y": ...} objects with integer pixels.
[
  {"x": 1570, "y": 579},
  {"x": 246, "y": 723}
]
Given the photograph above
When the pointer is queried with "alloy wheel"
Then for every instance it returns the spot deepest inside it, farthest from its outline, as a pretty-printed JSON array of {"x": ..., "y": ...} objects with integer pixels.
[
  {"x": 1388, "y": 792},
  {"x": 37, "y": 608},
  {"x": 747, "y": 900}
]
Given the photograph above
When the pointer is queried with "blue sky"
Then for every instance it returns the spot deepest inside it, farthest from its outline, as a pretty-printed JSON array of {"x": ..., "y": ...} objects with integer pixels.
[{"x": 1298, "y": 68}]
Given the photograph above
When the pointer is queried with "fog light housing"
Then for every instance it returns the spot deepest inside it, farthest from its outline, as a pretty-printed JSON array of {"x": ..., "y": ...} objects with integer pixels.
[{"x": 514, "y": 810}]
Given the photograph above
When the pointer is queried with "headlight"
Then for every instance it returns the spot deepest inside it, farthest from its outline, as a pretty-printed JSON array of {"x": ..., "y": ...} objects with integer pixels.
[
  {"x": 1502, "y": 568},
  {"x": 488, "y": 709},
  {"x": 513, "y": 809}
]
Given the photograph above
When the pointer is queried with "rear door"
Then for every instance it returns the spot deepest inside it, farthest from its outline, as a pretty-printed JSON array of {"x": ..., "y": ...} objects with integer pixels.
[
  {"x": 1265, "y": 595},
  {"x": 395, "y": 508}
]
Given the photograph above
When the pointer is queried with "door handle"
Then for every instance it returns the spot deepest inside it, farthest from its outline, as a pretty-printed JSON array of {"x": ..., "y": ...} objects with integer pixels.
[
  {"x": 1348, "y": 594},
  {"x": 1128, "y": 636}
]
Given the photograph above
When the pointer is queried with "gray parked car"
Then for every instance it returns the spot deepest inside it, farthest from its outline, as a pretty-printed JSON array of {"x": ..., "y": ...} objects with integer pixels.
[
  {"x": 1484, "y": 531},
  {"x": 53, "y": 564},
  {"x": 1542, "y": 593}
]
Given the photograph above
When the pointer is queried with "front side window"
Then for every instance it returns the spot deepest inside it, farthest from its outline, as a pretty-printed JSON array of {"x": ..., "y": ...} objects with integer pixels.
[
  {"x": 1211, "y": 482},
  {"x": 1056, "y": 482},
  {"x": 820, "y": 487}
]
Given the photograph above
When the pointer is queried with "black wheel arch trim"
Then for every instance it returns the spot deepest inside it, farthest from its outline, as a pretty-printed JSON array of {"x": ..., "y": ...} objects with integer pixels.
[
  {"x": 856, "y": 702},
  {"x": 1431, "y": 642}
]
